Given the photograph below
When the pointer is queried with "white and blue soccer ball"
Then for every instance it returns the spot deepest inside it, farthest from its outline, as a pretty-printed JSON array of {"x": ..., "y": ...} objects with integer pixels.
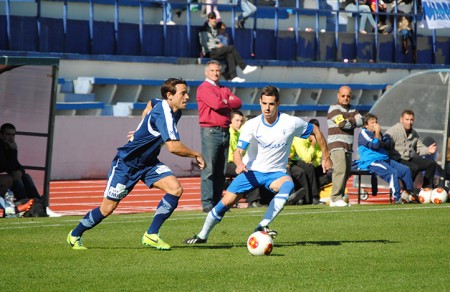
[
  {"x": 439, "y": 196},
  {"x": 260, "y": 243}
]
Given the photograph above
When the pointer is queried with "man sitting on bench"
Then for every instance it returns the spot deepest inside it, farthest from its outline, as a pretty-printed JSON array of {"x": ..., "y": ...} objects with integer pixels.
[{"x": 373, "y": 156}]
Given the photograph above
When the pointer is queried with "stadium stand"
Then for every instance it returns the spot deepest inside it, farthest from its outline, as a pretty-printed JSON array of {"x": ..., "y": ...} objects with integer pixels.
[{"x": 129, "y": 96}]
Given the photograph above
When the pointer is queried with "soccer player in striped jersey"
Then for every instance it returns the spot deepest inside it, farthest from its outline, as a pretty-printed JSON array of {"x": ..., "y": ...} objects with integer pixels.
[
  {"x": 267, "y": 141},
  {"x": 138, "y": 160}
]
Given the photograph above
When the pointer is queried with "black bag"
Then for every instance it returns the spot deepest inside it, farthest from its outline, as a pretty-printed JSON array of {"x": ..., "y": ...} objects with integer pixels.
[{"x": 37, "y": 210}]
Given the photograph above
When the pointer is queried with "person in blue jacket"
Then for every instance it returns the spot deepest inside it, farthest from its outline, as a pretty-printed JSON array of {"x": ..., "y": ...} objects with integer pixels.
[{"x": 372, "y": 147}]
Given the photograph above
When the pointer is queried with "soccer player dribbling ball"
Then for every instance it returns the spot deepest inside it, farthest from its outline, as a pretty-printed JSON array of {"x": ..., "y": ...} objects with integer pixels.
[{"x": 138, "y": 160}]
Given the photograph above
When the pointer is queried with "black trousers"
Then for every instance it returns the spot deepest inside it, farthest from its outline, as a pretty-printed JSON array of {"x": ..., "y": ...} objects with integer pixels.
[
  {"x": 231, "y": 56},
  {"x": 417, "y": 164},
  {"x": 305, "y": 175}
]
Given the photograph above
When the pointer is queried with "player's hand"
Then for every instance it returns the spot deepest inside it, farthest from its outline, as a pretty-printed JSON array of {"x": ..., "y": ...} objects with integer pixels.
[
  {"x": 200, "y": 161},
  {"x": 327, "y": 164},
  {"x": 241, "y": 168},
  {"x": 432, "y": 148},
  {"x": 130, "y": 135}
]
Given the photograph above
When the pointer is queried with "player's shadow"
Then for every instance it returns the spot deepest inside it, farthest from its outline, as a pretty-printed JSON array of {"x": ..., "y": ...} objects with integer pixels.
[
  {"x": 286, "y": 244},
  {"x": 332, "y": 242}
]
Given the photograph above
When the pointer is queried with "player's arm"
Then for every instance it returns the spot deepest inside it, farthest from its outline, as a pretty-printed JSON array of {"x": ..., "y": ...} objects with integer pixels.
[
  {"x": 147, "y": 109},
  {"x": 326, "y": 159},
  {"x": 178, "y": 148},
  {"x": 237, "y": 158}
]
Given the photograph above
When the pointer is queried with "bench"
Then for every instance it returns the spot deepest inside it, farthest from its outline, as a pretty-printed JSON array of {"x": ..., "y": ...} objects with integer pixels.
[{"x": 374, "y": 184}]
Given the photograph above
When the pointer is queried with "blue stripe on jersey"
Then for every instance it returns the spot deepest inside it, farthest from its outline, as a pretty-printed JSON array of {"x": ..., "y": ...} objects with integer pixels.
[
  {"x": 157, "y": 127},
  {"x": 309, "y": 130}
]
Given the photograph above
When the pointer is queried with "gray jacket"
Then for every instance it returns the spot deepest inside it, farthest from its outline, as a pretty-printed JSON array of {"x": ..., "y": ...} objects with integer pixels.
[{"x": 405, "y": 147}]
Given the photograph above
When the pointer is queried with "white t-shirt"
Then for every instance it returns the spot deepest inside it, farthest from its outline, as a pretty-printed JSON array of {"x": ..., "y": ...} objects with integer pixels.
[{"x": 268, "y": 146}]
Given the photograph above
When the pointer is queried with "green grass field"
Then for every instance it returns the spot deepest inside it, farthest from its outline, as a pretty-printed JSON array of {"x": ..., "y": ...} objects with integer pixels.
[{"x": 361, "y": 248}]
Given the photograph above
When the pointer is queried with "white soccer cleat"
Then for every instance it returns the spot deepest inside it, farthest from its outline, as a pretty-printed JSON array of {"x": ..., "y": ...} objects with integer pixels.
[
  {"x": 339, "y": 203},
  {"x": 238, "y": 80},
  {"x": 249, "y": 69},
  {"x": 50, "y": 213}
]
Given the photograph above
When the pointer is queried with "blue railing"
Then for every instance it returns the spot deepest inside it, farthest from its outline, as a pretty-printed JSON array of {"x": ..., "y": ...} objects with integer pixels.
[{"x": 118, "y": 36}]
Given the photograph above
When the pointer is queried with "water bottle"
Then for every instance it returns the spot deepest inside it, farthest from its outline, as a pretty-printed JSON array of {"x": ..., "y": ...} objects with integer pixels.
[{"x": 10, "y": 209}]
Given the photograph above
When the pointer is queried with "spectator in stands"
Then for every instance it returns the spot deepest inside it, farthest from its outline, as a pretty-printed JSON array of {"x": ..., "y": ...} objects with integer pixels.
[
  {"x": 167, "y": 10},
  {"x": 266, "y": 141},
  {"x": 237, "y": 120},
  {"x": 343, "y": 118},
  {"x": 137, "y": 160},
  {"x": 407, "y": 148},
  {"x": 372, "y": 148},
  {"x": 306, "y": 165},
  {"x": 407, "y": 34},
  {"x": 23, "y": 185},
  {"x": 247, "y": 10},
  {"x": 213, "y": 48},
  {"x": 215, "y": 103},
  {"x": 222, "y": 33},
  {"x": 365, "y": 14}
]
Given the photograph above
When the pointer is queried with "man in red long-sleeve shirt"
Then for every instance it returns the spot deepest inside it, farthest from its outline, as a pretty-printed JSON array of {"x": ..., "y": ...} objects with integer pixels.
[{"x": 215, "y": 103}]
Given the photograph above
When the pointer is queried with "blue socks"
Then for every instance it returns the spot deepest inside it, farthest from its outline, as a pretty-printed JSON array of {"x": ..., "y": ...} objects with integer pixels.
[
  {"x": 277, "y": 203},
  {"x": 166, "y": 206},
  {"x": 90, "y": 220}
]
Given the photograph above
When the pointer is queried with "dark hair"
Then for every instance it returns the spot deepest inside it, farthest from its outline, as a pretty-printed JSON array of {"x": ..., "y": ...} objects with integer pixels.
[
  {"x": 236, "y": 112},
  {"x": 7, "y": 126},
  {"x": 314, "y": 122},
  {"x": 271, "y": 91},
  {"x": 219, "y": 24},
  {"x": 212, "y": 15},
  {"x": 170, "y": 85},
  {"x": 408, "y": 112},
  {"x": 368, "y": 117}
]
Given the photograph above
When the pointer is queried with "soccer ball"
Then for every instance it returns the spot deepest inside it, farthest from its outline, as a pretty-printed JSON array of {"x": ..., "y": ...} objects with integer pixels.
[
  {"x": 260, "y": 243},
  {"x": 425, "y": 196},
  {"x": 439, "y": 196}
]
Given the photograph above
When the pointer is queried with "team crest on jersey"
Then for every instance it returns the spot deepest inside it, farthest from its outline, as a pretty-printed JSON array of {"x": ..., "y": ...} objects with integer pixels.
[{"x": 118, "y": 192}]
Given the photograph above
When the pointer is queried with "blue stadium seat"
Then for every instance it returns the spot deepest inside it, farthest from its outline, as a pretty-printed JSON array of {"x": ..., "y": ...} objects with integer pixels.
[
  {"x": 346, "y": 46},
  {"x": 104, "y": 40},
  {"x": 176, "y": 42},
  {"x": 195, "y": 47},
  {"x": 286, "y": 46},
  {"x": 424, "y": 50},
  {"x": 77, "y": 38},
  {"x": 24, "y": 35},
  {"x": 51, "y": 35},
  {"x": 243, "y": 42},
  {"x": 365, "y": 47},
  {"x": 128, "y": 40},
  {"x": 152, "y": 40},
  {"x": 327, "y": 46},
  {"x": 386, "y": 48},
  {"x": 3, "y": 34},
  {"x": 265, "y": 44},
  {"x": 442, "y": 50},
  {"x": 306, "y": 49}
]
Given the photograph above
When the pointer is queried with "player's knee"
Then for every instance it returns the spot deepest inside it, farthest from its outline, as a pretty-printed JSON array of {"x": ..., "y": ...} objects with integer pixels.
[
  {"x": 175, "y": 190},
  {"x": 287, "y": 187}
]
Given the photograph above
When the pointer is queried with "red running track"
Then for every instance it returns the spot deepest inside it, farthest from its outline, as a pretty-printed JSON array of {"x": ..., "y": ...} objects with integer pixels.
[{"x": 79, "y": 197}]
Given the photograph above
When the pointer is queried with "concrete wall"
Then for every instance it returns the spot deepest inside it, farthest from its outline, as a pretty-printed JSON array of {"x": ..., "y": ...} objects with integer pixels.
[{"x": 84, "y": 147}]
